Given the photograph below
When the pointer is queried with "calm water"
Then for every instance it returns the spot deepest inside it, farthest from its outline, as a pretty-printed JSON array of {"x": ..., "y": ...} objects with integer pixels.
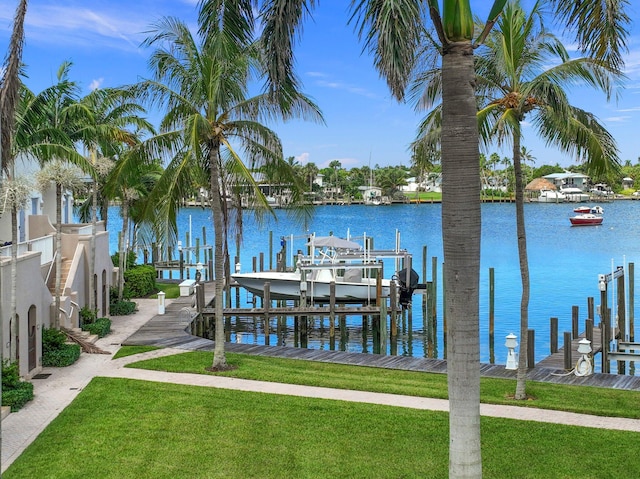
[{"x": 564, "y": 263}]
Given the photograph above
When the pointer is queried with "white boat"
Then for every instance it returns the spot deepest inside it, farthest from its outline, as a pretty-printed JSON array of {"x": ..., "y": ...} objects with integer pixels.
[
  {"x": 575, "y": 195},
  {"x": 551, "y": 196},
  {"x": 335, "y": 260},
  {"x": 351, "y": 288}
]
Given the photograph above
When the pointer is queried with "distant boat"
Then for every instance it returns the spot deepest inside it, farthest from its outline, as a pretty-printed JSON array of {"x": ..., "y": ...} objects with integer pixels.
[
  {"x": 551, "y": 196},
  {"x": 575, "y": 195},
  {"x": 586, "y": 219},
  {"x": 596, "y": 210},
  {"x": 601, "y": 189}
]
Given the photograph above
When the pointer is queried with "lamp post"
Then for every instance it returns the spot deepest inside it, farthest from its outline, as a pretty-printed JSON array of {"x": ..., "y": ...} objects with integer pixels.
[
  {"x": 584, "y": 367},
  {"x": 511, "y": 344}
]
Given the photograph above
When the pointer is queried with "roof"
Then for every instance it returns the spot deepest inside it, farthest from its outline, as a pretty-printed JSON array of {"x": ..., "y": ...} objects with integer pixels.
[
  {"x": 540, "y": 184},
  {"x": 564, "y": 175}
]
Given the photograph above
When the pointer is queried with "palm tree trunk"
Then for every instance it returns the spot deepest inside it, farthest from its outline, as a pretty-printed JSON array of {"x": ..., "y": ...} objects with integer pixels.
[
  {"x": 461, "y": 229},
  {"x": 58, "y": 285},
  {"x": 521, "y": 375},
  {"x": 122, "y": 257},
  {"x": 92, "y": 261},
  {"x": 219, "y": 358}
]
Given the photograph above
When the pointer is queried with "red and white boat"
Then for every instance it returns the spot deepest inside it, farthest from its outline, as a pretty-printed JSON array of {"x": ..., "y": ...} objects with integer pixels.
[
  {"x": 586, "y": 219},
  {"x": 596, "y": 210}
]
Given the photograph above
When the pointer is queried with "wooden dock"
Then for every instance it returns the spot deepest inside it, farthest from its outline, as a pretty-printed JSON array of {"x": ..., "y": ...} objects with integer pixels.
[
  {"x": 557, "y": 360},
  {"x": 172, "y": 330}
]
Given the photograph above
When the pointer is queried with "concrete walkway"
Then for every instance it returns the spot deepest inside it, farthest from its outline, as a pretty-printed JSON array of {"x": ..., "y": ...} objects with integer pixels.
[{"x": 55, "y": 392}]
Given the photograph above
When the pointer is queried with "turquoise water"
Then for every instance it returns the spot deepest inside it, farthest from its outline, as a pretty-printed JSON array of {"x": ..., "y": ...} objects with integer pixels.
[{"x": 564, "y": 261}]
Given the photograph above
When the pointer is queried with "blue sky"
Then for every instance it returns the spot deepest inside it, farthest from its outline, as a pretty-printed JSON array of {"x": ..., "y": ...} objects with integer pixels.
[{"x": 364, "y": 125}]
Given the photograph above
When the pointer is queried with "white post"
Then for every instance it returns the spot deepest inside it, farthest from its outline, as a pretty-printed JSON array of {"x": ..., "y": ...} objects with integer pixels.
[
  {"x": 161, "y": 296},
  {"x": 512, "y": 359}
]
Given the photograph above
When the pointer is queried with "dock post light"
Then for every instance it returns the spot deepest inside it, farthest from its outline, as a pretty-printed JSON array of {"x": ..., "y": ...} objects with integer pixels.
[
  {"x": 161, "y": 296},
  {"x": 238, "y": 267},
  {"x": 584, "y": 367},
  {"x": 511, "y": 344}
]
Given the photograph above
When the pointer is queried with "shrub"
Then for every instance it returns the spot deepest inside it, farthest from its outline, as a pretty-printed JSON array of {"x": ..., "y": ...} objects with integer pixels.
[
  {"x": 140, "y": 281},
  {"x": 56, "y": 351},
  {"x": 101, "y": 327},
  {"x": 15, "y": 392},
  {"x": 87, "y": 315},
  {"x": 122, "y": 308},
  {"x": 130, "y": 262}
]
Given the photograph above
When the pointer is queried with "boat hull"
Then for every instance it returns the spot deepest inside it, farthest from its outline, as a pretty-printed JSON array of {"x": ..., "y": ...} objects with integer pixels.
[
  {"x": 286, "y": 285},
  {"x": 586, "y": 220}
]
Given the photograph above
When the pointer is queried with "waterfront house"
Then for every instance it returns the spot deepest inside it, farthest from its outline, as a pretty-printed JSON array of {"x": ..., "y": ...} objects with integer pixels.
[
  {"x": 568, "y": 179},
  {"x": 35, "y": 288}
]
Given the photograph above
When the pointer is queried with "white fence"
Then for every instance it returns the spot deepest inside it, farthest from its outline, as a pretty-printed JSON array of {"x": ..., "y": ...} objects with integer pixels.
[{"x": 45, "y": 245}]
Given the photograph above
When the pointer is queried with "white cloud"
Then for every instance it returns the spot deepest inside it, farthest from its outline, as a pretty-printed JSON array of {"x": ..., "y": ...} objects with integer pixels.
[
  {"x": 303, "y": 158},
  {"x": 96, "y": 83}
]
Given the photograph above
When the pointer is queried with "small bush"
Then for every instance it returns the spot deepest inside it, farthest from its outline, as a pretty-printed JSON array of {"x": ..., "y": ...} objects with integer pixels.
[
  {"x": 63, "y": 357},
  {"x": 101, "y": 327},
  {"x": 130, "y": 262},
  {"x": 87, "y": 315},
  {"x": 122, "y": 308},
  {"x": 52, "y": 339},
  {"x": 140, "y": 281},
  {"x": 55, "y": 350},
  {"x": 15, "y": 392},
  {"x": 18, "y": 396}
]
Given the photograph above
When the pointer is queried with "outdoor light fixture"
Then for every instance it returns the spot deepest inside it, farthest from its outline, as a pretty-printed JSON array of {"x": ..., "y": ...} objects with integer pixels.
[
  {"x": 161, "y": 296},
  {"x": 511, "y": 344},
  {"x": 584, "y": 366},
  {"x": 238, "y": 267},
  {"x": 602, "y": 286},
  {"x": 179, "y": 245}
]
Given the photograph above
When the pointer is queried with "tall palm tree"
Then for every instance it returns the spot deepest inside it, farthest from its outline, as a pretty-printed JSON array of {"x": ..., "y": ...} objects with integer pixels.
[
  {"x": 516, "y": 82},
  {"x": 209, "y": 114},
  {"x": 9, "y": 98},
  {"x": 51, "y": 121},
  {"x": 109, "y": 116},
  {"x": 393, "y": 31}
]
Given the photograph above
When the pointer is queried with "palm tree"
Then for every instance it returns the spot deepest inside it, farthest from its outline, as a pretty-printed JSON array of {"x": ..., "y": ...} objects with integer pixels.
[
  {"x": 9, "y": 98},
  {"x": 393, "y": 31},
  {"x": 49, "y": 127},
  {"x": 203, "y": 88},
  {"x": 108, "y": 115},
  {"x": 515, "y": 82}
]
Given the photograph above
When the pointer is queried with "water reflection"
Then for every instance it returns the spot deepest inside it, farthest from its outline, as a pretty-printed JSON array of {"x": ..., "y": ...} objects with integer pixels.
[{"x": 349, "y": 333}]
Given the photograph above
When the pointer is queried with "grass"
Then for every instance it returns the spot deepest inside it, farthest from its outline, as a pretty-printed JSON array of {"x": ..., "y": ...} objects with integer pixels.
[
  {"x": 121, "y": 428},
  {"x": 581, "y": 399},
  {"x": 133, "y": 350},
  {"x": 171, "y": 290}
]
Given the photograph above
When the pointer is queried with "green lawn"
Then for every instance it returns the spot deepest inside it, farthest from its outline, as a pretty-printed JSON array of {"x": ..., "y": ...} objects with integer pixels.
[
  {"x": 587, "y": 400},
  {"x": 120, "y": 428}
]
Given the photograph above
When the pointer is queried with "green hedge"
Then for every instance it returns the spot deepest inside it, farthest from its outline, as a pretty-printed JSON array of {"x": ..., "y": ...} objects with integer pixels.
[
  {"x": 55, "y": 350},
  {"x": 101, "y": 327},
  {"x": 122, "y": 308},
  {"x": 15, "y": 392},
  {"x": 140, "y": 281}
]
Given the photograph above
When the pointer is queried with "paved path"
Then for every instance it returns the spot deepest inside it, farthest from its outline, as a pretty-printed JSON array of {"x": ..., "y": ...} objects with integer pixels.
[{"x": 57, "y": 391}]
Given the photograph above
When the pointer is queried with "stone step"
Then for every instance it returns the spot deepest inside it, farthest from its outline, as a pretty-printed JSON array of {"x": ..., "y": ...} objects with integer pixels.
[{"x": 5, "y": 412}]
